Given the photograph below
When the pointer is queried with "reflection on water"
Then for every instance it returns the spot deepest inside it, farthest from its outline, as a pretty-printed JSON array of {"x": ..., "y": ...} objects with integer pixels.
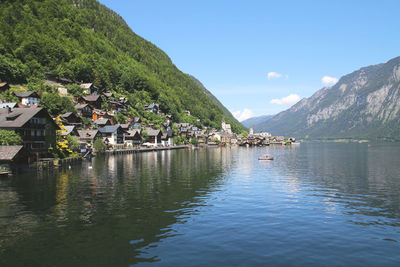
[{"x": 313, "y": 204}]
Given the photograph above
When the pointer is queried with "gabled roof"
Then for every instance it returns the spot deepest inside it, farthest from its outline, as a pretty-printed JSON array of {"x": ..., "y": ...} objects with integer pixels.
[
  {"x": 125, "y": 126},
  {"x": 67, "y": 114},
  {"x": 152, "y": 105},
  {"x": 8, "y": 153},
  {"x": 109, "y": 128},
  {"x": 152, "y": 132},
  {"x": 107, "y": 94},
  {"x": 26, "y": 94},
  {"x": 81, "y": 106},
  {"x": 132, "y": 133},
  {"x": 91, "y": 98},
  {"x": 17, "y": 117},
  {"x": 68, "y": 129},
  {"x": 3, "y": 84},
  {"x": 86, "y": 85},
  {"x": 87, "y": 134},
  {"x": 101, "y": 121}
]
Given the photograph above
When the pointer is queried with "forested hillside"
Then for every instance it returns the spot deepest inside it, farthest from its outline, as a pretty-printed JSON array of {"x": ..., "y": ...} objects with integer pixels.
[{"x": 84, "y": 41}]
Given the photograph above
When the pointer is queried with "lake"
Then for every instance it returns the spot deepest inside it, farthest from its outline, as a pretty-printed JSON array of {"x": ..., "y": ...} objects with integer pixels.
[{"x": 314, "y": 204}]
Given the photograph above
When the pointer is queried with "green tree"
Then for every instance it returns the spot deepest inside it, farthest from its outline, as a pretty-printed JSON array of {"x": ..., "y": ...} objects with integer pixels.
[
  {"x": 99, "y": 145},
  {"x": 73, "y": 142},
  {"x": 9, "y": 138},
  {"x": 194, "y": 141},
  {"x": 120, "y": 118},
  {"x": 56, "y": 104}
]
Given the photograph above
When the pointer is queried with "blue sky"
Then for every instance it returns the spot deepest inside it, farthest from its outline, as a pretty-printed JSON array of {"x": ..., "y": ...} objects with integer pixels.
[{"x": 259, "y": 57}]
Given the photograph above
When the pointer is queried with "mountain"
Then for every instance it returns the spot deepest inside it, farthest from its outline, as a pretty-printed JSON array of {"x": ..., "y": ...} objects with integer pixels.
[
  {"x": 362, "y": 104},
  {"x": 256, "y": 120},
  {"x": 226, "y": 112},
  {"x": 84, "y": 41}
]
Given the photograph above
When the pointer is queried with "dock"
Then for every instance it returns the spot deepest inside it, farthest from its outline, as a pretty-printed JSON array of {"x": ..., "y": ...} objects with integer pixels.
[{"x": 140, "y": 150}]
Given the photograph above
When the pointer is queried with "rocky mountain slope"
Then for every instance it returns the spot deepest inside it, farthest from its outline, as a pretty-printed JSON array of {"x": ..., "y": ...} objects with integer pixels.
[{"x": 362, "y": 104}]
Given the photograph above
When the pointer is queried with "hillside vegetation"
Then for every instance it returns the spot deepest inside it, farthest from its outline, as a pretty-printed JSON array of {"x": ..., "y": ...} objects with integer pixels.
[{"x": 84, "y": 41}]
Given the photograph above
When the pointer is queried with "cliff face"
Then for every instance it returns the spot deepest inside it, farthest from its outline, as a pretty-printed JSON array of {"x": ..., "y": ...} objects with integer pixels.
[{"x": 363, "y": 104}]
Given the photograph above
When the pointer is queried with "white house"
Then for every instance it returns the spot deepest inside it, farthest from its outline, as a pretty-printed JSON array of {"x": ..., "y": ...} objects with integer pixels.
[
  {"x": 28, "y": 98},
  {"x": 112, "y": 134}
]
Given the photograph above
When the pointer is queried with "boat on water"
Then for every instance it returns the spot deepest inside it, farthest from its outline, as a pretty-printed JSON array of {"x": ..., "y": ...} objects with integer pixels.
[{"x": 265, "y": 157}]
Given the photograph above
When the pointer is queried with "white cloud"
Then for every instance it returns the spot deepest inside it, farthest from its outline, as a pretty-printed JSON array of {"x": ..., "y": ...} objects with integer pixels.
[
  {"x": 243, "y": 115},
  {"x": 274, "y": 75},
  {"x": 329, "y": 80},
  {"x": 289, "y": 100}
]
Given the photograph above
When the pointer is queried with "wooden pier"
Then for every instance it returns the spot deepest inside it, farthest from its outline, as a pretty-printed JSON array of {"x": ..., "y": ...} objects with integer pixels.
[{"x": 139, "y": 150}]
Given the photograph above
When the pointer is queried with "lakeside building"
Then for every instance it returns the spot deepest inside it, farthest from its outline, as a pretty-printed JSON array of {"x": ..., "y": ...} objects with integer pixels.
[
  {"x": 35, "y": 126},
  {"x": 112, "y": 134}
]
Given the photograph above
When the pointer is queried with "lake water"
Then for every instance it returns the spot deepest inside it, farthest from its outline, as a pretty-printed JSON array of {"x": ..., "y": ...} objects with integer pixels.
[{"x": 315, "y": 204}]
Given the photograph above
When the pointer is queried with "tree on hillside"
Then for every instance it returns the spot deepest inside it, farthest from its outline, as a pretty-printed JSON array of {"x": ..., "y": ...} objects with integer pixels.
[{"x": 56, "y": 104}]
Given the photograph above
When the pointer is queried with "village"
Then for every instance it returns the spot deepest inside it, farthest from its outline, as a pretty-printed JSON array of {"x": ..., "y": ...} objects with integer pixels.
[{"x": 41, "y": 133}]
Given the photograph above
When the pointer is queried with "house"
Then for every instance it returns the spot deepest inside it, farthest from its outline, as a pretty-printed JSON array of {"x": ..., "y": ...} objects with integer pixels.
[
  {"x": 93, "y": 100},
  {"x": 102, "y": 122},
  {"x": 10, "y": 156},
  {"x": 133, "y": 137},
  {"x": 116, "y": 107},
  {"x": 89, "y": 89},
  {"x": 108, "y": 95},
  {"x": 214, "y": 137},
  {"x": 84, "y": 110},
  {"x": 123, "y": 101},
  {"x": 154, "y": 136},
  {"x": 4, "y": 87},
  {"x": 87, "y": 137},
  {"x": 183, "y": 132},
  {"x": 167, "y": 138},
  {"x": 153, "y": 107},
  {"x": 53, "y": 79},
  {"x": 69, "y": 118},
  {"x": 226, "y": 127},
  {"x": 99, "y": 114},
  {"x": 125, "y": 126},
  {"x": 28, "y": 98},
  {"x": 226, "y": 138},
  {"x": 112, "y": 134},
  {"x": 62, "y": 91},
  {"x": 35, "y": 126}
]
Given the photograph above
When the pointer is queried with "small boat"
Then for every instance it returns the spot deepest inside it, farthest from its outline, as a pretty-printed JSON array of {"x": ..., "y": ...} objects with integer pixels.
[{"x": 265, "y": 157}]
